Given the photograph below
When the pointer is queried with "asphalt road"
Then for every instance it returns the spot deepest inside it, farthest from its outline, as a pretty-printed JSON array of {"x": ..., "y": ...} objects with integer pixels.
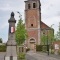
[
  {"x": 40, "y": 56},
  {"x": 35, "y": 56},
  {"x": 29, "y": 57},
  {"x": 2, "y": 54}
]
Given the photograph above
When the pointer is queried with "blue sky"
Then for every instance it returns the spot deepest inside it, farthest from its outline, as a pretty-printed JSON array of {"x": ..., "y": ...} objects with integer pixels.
[{"x": 50, "y": 11}]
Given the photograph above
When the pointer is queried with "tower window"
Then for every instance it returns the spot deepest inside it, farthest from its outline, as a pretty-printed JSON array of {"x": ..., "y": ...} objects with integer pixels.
[
  {"x": 32, "y": 25},
  {"x": 29, "y": 6},
  {"x": 34, "y": 5}
]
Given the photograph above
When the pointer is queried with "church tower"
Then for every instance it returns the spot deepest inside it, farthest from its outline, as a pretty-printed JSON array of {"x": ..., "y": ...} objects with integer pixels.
[{"x": 32, "y": 22}]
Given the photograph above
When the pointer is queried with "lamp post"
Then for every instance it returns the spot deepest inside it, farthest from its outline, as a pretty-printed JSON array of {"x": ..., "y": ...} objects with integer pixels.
[
  {"x": 47, "y": 42},
  {"x": 20, "y": 16},
  {"x": 44, "y": 37}
]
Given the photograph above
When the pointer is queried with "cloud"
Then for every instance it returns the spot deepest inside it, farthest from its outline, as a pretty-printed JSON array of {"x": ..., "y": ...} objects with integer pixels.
[
  {"x": 13, "y": 5},
  {"x": 50, "y": 10}
]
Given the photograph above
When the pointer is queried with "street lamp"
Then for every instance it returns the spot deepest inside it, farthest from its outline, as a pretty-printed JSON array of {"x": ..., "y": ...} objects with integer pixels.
[
  {"x": 20, "y": 16},
  {"x": 47, "y": 29}
]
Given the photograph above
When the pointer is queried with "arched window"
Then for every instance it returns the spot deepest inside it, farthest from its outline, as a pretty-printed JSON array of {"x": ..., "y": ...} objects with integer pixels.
[
  {"x": 32, "y": 40},
  {"x": 34, "y": 5},
  {"x": 29, "y": 6}
]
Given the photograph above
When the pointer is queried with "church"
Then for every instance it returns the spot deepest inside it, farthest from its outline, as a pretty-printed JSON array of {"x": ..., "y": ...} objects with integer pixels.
[{"x": 33, "y": 23}]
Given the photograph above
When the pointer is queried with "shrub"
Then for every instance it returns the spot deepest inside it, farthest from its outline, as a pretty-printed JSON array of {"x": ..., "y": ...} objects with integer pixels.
[
  {"x": 27, "y": 49},
  {"x": 2, "y": 48},
  {"x": 52, "y": 51},
  {"x": 21, "y": 56},
  {"x": 59, "y": 52},
  {"x": 44, "y": 48},
  {"x": 52, "y": 47},
  {"x": 38, "y": 47}
]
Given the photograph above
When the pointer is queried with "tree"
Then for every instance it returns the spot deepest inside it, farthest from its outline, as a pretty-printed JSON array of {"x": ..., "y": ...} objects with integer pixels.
[
  {"x": 47, "y": 35},
  {"x": 51, "y": 36},
  {"x": 43, "y": 37},
  {"x": 44, "y": 40},
  {"x": 0, "y": 40},
  {"x": 20, "y": 32}
]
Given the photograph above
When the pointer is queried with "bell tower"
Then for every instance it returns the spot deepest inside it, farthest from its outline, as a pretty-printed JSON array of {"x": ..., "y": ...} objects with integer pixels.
[{"x": 32, "y": 22}]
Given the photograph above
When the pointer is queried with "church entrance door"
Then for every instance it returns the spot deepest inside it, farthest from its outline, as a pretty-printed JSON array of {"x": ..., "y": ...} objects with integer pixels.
[{"x": 32, "y": 44}]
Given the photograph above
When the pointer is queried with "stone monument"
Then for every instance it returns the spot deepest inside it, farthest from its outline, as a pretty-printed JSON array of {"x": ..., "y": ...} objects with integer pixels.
[{"x": 11, "y": 53}]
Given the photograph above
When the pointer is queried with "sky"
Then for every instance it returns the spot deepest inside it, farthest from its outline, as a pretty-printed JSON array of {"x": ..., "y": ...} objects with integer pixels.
[{"x": 50, "y": 14}]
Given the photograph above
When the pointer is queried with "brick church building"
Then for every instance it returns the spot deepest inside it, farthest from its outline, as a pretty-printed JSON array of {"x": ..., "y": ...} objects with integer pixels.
[{"x": 33, "y": 23}]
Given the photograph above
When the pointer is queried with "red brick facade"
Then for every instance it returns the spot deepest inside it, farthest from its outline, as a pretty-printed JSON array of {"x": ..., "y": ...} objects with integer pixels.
[
  {"x": 43, "y": 25},
  {"x": 33, "y": 22}
]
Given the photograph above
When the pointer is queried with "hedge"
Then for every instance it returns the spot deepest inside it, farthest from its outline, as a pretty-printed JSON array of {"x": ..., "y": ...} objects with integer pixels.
[
  {"x": 38, "y": 47},
  {"x": 2, "y": 48},
  {"x": 41, "y": 48}
]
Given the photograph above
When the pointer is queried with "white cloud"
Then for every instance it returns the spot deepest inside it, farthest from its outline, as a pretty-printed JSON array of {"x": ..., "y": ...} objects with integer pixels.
[{"x": 50, "y": 8}]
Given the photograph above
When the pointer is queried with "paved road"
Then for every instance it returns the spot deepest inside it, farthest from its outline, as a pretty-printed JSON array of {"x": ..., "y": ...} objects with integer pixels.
[
  {"x": 2, "y": 54},
  {"x": 38, "y": 56},
  {"x": 29, "y": 57},
  {"x": 35, "y": 56}
]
